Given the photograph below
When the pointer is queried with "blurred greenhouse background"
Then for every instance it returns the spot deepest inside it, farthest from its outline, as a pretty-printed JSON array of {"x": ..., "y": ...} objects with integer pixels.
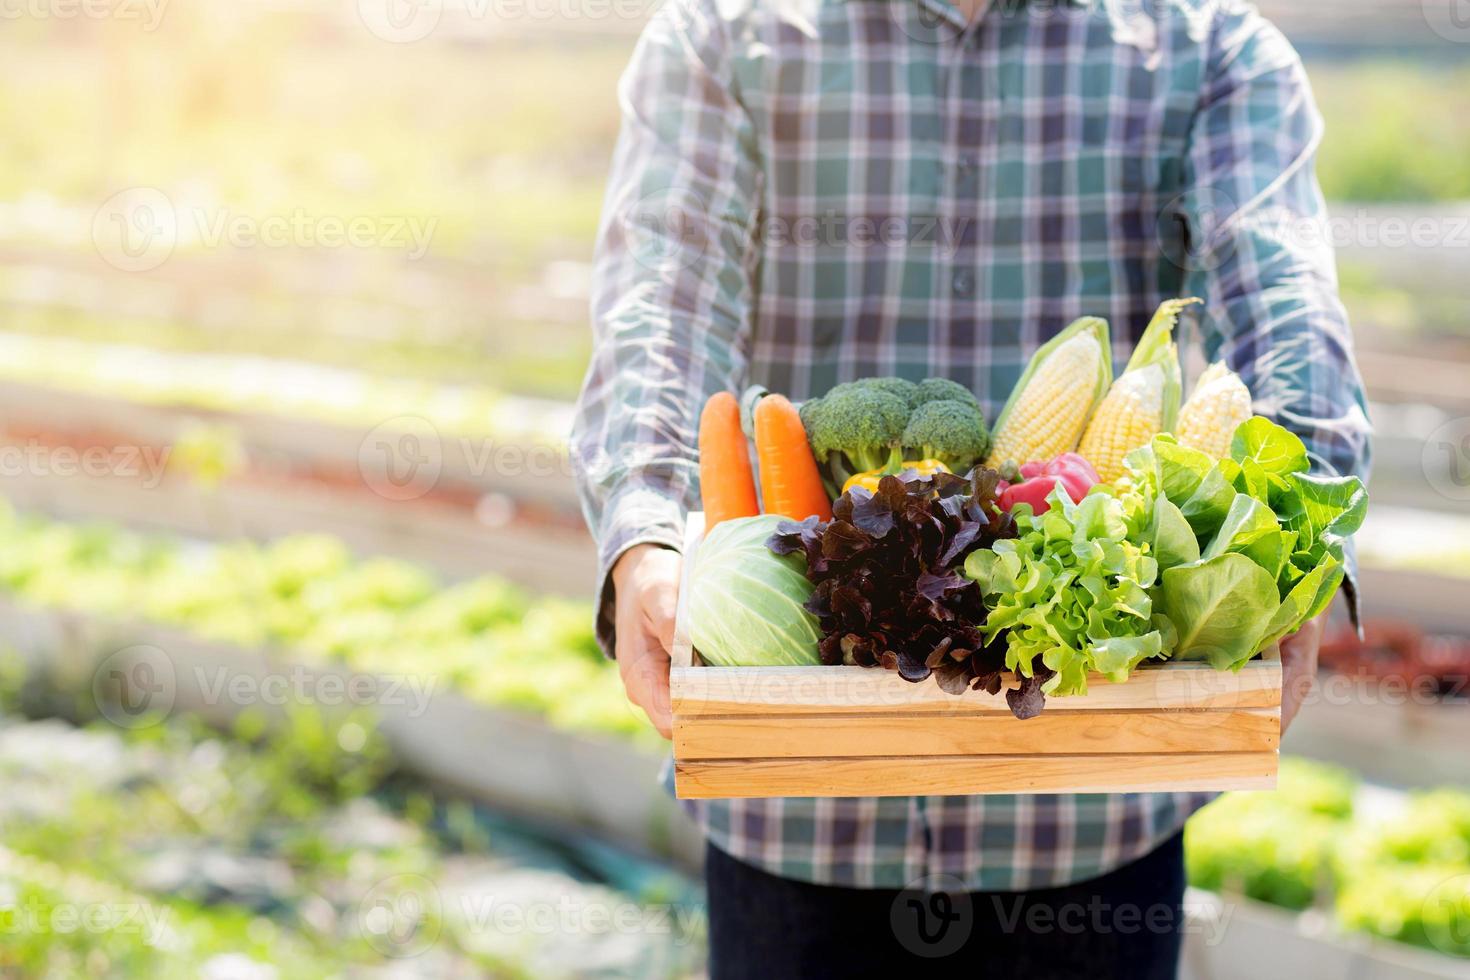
[{"x": 292, "y": 306}]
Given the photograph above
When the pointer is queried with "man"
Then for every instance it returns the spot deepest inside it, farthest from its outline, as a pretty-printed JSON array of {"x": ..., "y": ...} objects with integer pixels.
[{"x": 813, "y": 191}]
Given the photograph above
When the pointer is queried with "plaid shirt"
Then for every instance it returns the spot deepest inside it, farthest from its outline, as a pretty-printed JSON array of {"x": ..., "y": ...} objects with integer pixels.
[{"x": 810, "y": 192}]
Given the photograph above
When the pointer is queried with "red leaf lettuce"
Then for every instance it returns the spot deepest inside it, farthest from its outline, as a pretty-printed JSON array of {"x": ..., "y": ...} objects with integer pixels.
[{"x": 889, "y": 588}]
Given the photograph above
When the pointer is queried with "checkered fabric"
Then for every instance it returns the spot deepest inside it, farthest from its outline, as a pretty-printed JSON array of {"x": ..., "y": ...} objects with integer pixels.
[{"x": 811, "y": 191}]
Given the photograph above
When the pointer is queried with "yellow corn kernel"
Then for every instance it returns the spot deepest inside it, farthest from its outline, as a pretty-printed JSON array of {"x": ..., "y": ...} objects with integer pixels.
[
  {"x": 1219, "y": 403},
  {"x": 1048, "y": 415},
  {"x": 1130, "y": 415}
]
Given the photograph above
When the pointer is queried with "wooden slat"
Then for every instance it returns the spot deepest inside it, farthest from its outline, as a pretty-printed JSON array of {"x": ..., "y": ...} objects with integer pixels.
[
  {"x": 764, "y": 690},
  {"x": 964, "y": 775},
  {"x": 1060, "y": 733}
]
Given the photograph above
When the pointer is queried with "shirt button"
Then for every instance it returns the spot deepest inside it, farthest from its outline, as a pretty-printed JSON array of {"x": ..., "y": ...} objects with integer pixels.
[{"x": 964, "y": 283}]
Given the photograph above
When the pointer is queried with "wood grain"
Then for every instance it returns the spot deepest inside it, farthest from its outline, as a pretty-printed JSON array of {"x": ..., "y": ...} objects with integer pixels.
[
  {"x": 761, "y": 690},
  {"x": 890, "y": 734},
  {"x": 963, "y": 775}
]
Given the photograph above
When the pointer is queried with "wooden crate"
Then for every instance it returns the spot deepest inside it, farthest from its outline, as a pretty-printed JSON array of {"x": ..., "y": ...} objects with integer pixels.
[{"x": 859, "y": 731}]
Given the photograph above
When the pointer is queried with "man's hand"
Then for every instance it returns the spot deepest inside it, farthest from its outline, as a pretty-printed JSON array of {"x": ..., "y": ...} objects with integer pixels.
[
  {"x": 1299, "y": 667},
  {"x": 646, "y": 586}
]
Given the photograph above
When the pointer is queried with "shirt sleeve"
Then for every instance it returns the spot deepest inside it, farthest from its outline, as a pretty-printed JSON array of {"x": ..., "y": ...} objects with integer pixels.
[
  {"x": 1257, "y": 248},
  {"x": 671, "y": 286}
]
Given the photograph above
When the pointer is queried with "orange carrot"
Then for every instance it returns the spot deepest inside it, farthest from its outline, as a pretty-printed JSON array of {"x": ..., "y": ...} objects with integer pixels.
[
  {"x": 725, "y": 479},
  {"x": 790, "y": 484}
]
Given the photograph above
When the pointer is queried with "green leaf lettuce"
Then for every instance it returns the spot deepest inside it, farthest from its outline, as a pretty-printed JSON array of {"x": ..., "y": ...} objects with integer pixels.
[{"x": 1073, "y": 593}]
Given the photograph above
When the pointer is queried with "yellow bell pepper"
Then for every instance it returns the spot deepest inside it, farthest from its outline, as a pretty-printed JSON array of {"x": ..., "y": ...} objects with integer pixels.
[{"x": 869, "y": 480}]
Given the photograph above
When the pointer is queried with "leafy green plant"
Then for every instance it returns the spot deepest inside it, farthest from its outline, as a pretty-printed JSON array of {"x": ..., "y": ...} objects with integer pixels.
[
  {"x": 1401, "y": 873},
  {"x": 1073, "y": 593},
  {"x": 1270, "y": 538},
  {"x": 306, "y": 594}
]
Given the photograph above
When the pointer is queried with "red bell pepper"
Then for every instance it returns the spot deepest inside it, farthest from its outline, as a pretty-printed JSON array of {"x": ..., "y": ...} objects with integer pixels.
[{"x": 1074, "y": 473}]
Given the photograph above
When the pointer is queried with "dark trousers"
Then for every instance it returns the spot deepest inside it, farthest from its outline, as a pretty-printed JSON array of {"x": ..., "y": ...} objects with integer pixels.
[{"x": 1126, "y": 924}]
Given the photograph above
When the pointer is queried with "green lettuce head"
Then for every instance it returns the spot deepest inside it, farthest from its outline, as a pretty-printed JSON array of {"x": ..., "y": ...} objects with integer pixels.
[{"x": 1269, "y": 539}]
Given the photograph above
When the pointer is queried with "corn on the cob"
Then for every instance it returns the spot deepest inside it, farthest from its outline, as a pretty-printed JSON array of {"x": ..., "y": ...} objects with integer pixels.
[
  {"x": 1049, "y": 408},
  {"x": 1143, "y": 401},
  {"x": 1127, "y": 418},
  {"x": 1219, "y": 403},
  {"x": 1209, "y": 375}
]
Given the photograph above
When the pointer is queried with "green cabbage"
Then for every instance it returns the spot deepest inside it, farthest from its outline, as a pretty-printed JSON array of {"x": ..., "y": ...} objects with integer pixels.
[{"x": 747, "y": 604}]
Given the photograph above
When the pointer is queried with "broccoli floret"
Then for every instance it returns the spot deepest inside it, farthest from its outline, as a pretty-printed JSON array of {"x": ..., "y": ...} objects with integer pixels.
[
  {"x": 949, "y": 430},
  {"x": 807, "y": 410},
  {"x": 862, "y": 424},
  {"x": 906, "y": 390},
  {"x": 876, "y": 423},
  {"x": 942, "y": 390}
]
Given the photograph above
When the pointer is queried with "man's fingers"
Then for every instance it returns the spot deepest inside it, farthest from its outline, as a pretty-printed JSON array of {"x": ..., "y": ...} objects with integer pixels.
[
  {"x": 659, "y": 709},
  {"x": 648, "y": 687},
  {"x": 648, "y": 595},
  {"x": 653, "y": 684},
  {"x": 1308, "y": 636},
  {"x": 662, "y": 723},
  {"x": 662, "y": 605},
  {"x": 1299, "y": 667},
  {"x": 645, "y": 673},
  {"x": 661, "y": 597}
]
